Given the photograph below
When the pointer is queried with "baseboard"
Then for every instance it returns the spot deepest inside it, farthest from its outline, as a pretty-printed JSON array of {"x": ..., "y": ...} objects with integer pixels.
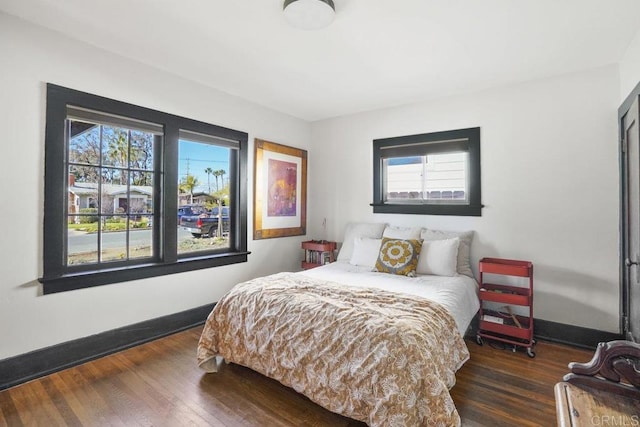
[
  {"x": 573, "y": 335},
  {"x": 25, "y": 367},
  {"x": 561, "y": 333}
]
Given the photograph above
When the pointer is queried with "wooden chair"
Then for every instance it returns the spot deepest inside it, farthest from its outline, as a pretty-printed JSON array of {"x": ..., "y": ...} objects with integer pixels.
[{"x": 604, "y": 391}]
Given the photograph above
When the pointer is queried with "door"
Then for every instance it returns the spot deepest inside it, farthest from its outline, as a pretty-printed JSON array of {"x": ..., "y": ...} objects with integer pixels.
[{"x": 631, "y": 226}]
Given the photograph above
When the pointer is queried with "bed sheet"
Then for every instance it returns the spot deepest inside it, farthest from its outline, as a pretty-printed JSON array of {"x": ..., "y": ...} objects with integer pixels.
[{"x": 458, "y": 294}]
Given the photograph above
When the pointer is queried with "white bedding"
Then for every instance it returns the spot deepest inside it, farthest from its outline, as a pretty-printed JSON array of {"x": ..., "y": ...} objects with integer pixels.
[{"x": 458, "y": 294}]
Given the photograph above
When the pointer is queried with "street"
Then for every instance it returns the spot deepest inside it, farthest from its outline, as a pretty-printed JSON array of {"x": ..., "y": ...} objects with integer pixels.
[{"x": 87, "y": 242}]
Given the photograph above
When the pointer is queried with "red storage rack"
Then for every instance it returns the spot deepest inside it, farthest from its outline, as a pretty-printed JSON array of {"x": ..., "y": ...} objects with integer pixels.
[{"x": 515, "y": 329}]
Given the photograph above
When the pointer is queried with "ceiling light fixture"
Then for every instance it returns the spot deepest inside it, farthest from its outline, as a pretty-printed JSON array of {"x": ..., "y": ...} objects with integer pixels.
[{"x": 309, "y": 14}]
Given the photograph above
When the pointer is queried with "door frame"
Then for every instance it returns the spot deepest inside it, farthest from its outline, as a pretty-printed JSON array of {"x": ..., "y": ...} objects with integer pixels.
[{"x": 624, "y": 286}]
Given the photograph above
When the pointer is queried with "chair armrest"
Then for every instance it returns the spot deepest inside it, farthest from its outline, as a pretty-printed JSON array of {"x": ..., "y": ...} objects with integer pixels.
[{"x": 615, "y": 368}]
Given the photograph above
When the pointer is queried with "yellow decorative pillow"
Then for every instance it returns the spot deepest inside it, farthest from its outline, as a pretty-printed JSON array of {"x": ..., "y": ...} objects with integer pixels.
[{"x": 398, "y": 256}]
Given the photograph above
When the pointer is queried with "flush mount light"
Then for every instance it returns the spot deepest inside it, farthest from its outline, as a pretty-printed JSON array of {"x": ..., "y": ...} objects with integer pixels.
[{"x": 309, "y": 14}]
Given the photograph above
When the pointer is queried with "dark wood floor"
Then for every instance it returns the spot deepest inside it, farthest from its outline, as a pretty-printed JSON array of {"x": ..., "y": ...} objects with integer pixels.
[{"x": 159, "y": 384}]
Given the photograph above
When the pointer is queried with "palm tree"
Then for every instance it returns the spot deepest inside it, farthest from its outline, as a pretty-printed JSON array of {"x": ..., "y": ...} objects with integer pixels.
[
  {"x": 209, "y": 171},
  {"x": 187, "y": 184},
  {"x": 118, "y": 148},
  {"x": 220, "y": 173},
  {"x": 217, "y": 174}
]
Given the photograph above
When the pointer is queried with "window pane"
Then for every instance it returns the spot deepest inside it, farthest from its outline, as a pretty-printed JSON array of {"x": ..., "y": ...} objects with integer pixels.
[
  {"x": 82, "y": 240},
  {"x": 80, "y": 176},
  {"x": 83, "y": 190},
  {"x": 141, "y": 192},
  {"x": 114, "y": 192},
  {"x": 114, "y": 238},
  {"x": 447, "y": 174},
  {"x": 141, "y": 155},
  {"x": 84, "y": 143},
  {"x": 203, "y": 188},
  {"x": 140, "y": 237},
  {"x": 142, "y": 189},
  {"x": 115, "y": 146},
  {"x": 405, "y": 177},
  {"x": 434, "y": 178}
]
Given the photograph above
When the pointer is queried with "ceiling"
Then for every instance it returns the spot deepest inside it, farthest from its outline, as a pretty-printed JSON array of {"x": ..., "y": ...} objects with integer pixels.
[{"x": 375, "y": 54}]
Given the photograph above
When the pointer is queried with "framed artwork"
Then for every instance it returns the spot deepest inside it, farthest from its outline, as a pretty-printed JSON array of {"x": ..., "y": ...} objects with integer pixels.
[{"x": 279, "y": 191}]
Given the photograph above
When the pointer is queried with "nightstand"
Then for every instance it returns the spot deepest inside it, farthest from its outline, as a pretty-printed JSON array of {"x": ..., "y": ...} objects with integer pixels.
[{"x": 317, "y": 253}]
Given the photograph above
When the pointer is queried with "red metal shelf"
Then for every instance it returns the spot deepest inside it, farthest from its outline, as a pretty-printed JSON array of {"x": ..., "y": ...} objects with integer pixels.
[
  {"x": 506, "y": 294},
  {"x": 509, "y": 330},
  {"x": 508, "y": 267},
  {"x": 515, "y": 329}
]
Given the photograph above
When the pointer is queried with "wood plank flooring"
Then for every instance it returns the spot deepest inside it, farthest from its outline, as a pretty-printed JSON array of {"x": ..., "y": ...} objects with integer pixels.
[{"x": 159, "y": 384}]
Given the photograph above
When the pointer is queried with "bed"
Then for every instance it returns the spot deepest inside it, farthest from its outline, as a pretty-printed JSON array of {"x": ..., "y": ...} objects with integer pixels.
[{"x": 380, "y": 348}]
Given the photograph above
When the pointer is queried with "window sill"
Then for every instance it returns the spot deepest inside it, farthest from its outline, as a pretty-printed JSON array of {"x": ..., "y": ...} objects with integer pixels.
[
  {"x": 428, "y": 209},
  {"x": 69, "y": 282}
]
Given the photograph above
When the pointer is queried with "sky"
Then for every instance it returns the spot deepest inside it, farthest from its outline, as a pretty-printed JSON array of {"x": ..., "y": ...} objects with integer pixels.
[{"x": 195, "y": 157}]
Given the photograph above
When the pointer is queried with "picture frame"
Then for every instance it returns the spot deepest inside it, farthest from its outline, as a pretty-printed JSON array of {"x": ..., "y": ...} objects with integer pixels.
[{"x": 279, "y": 190}]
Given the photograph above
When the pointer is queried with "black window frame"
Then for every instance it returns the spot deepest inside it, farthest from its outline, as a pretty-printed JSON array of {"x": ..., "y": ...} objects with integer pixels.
[
  {"x": 57, "y": 276},
  {"x": 429, "y": 143}
]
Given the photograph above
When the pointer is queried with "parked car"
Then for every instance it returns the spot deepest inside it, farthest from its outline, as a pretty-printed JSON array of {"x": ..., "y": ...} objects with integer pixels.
[
  {"x": 191, "y": 210},
  {"x": 206, "y": 224}
]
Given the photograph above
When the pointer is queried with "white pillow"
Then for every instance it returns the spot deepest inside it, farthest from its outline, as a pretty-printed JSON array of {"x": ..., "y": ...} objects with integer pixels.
[
  {"x": 365, "y": 251},
  {"x": 404, "y": 233},
  {"x": 439, "y": 257},
  {"x": 358, "y": 229},
  {"x": 464, "y": 249}
]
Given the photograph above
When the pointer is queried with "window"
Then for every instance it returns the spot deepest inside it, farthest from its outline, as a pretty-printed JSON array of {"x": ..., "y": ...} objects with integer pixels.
[
  {"x": 111, "y": 186},
  {"x": 203, "y": 188},
  {"x": 433, "y": 173},
  {"x": 121, "y": 181}
]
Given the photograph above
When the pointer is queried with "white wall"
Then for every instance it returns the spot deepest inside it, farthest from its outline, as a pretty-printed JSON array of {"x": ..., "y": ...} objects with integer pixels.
[
  {"x": 630, "y": 68},
  {"x": 29, "y": 58},
  {"x": 549, "y": 183}
]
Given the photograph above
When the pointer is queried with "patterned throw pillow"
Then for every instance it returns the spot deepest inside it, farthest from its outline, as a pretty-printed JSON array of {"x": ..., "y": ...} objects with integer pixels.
[{"x": 398, "y": 256}]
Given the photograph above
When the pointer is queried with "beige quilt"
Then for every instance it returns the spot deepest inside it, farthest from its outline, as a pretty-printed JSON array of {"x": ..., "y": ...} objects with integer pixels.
[{"x": 384, "y": 358}]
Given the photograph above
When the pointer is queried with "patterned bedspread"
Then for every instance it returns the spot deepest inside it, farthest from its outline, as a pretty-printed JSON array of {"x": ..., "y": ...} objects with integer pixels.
[{"x": 384, "y": 358}]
